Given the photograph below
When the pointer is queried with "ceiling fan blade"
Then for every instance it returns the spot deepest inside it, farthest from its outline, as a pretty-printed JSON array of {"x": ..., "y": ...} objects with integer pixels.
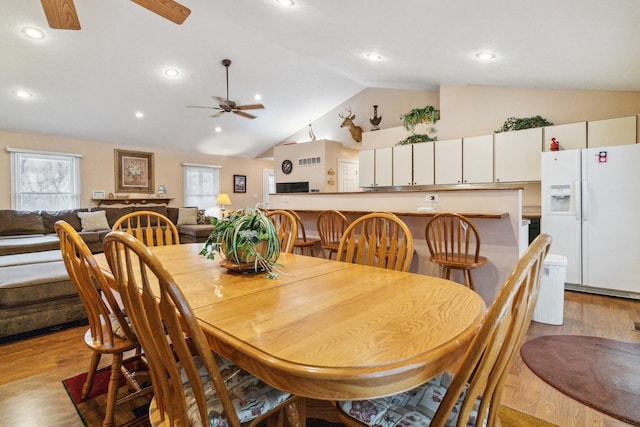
[
  {"x": 250, "y": 107},
  {"x": 218, "y": 114},
  {"x": 61, "y": 14},
  {"x": 243, "y": 114},
  {"x": 169, "y": 9}
]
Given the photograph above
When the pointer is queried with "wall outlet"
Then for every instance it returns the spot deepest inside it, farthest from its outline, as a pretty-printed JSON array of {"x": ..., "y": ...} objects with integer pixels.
[{"x": 432, "y": 197}]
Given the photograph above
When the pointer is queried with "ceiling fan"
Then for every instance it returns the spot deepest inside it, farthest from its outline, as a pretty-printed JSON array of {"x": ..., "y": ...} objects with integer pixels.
[
  {"x": 61, "y": 14},
  {"x": 227, "y": 106}
]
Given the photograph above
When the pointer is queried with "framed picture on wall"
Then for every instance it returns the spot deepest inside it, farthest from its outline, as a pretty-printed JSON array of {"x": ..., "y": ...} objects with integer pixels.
[
  {"x": 239, "y": 183},
  {"x": 134, "y": 172},
  {"x": 97, "y": 194}
]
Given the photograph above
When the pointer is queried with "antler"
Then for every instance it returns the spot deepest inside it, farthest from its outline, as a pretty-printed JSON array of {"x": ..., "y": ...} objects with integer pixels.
[{"x": 348, "y": 115}]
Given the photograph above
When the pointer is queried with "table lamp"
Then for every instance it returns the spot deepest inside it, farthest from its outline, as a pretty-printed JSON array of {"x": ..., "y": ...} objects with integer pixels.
[{"x": 223, "y": 199}]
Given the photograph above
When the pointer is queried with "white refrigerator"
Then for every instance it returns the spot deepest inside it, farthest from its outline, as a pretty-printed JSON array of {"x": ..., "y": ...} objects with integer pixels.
[{"x": 591, "y": 208}]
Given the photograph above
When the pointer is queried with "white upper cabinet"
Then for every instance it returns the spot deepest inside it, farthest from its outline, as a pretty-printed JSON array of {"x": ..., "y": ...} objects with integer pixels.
[
  {"x": 517, "y": 155},
  {"x": 375, "y": 167},
  {"x": 366, "y": 168},
  {"x": 604, "y": 133},
  {"x": 403, "y": 165},
  {"x": 384, "y": 167},
  {"x": 448, "y": 161},
  {"x": 571, "y": 136},
  {"x": 413, "y": 164},
  {"x": 477, "y": 159},
  {"x": 423, "y": 163}
]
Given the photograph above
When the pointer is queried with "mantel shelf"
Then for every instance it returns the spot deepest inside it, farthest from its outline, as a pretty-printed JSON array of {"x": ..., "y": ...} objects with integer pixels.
[{"x": 128, "y": 200}]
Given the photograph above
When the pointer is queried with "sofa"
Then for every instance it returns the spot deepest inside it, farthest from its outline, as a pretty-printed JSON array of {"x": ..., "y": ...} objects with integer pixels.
[{"x": 35, "y": 290}]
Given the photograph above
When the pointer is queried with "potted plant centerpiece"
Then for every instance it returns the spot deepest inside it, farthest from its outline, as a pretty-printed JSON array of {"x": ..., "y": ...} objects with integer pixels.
[
  {"x": 427, "y": 115},
  {"x": 248, "y": 240}
]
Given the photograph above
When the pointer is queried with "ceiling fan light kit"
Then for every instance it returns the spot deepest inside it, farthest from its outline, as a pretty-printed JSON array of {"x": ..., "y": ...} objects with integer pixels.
[{"x": 227, "y": 106}]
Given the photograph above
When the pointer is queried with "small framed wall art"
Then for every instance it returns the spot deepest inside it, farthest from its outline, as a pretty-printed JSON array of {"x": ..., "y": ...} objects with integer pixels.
[
  {"x": 97, "y": 195},
  {"x": 239, "y": 183},
  {"x": 134, "y": 172}
]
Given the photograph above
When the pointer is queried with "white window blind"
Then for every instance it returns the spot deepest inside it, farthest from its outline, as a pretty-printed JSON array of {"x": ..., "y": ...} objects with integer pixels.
[
  {"x": 201, "y": 185},
  {"x": 44, "y": 181}
]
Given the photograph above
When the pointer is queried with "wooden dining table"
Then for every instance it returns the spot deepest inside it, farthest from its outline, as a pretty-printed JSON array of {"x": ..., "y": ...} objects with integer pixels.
[{"x": 326, "y": 329}]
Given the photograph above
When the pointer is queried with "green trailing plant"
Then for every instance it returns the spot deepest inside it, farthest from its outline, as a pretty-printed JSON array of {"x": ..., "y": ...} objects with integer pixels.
[
  {"x": 416, "y": 139},
  {"x": 427, "y": 114},
  {"x": 513, "y": 123},
  {"x": 246, "y": 236}
]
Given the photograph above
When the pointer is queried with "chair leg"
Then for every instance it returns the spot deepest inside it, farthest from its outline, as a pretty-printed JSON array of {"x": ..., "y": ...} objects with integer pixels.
[
  {"x": 471, "y": 285},
  {"x": 296, "y": 412},
  {"x": 114, "y": 381},
  {"x": 93, "y": 366}
]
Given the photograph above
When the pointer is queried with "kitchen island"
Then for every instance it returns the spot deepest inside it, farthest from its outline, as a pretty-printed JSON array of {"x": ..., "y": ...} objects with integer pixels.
[{"x": 495, "y": 211}]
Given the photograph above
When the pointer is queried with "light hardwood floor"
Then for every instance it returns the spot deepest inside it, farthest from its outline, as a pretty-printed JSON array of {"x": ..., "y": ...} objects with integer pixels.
[{"x": 31, "y": 370}]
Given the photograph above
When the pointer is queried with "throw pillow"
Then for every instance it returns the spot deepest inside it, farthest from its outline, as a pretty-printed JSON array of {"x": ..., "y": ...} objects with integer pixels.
[
  {"x": 94, "y": 221},
  {"x": 187, "y": 216}
]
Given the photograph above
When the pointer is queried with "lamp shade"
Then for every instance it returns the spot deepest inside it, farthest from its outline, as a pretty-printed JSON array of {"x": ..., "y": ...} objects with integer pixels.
[{"x": 223, "y": 199}]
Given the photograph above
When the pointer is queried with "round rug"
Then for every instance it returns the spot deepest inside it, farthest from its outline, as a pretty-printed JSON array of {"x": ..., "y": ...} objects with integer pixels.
[{"x": 598, "y": 372}]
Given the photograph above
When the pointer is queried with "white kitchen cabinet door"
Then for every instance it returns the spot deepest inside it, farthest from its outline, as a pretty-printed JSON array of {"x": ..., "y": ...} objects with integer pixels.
[
  {"x": 403, "y": 165},
  {"x": 517, "y": 155},
  {"x": 572, "y": 136},
  {"x": 384, "y": 167},
  {"x": 448, "y": 161},
  {"x": 605, "y": 133},
  {"x": 477, "y": 159},
  {"x": 366, "y": 168},
  {"x": 423, "y": 163}
]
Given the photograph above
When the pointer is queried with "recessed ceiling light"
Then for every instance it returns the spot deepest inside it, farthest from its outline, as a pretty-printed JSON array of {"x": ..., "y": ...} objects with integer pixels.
[
  {"x": 372, "y": 56},
  {"x": 172, "y": 72},
  {"x": 286, "y": 2},
  {"x": 218, "y": 129},
  {"x": 23, "y": 94},
  {"x": 33, "y": 33},
  {"x": 139, "y": 114},
  {"x": 257, "y": 97},
  {"x": 485, "y": 56}
]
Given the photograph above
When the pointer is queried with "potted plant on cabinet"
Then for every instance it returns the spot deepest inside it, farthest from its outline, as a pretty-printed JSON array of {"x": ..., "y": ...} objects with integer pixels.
[
  {"x": 428, "y": 115},
  {"x": 248, "y": 240},
  {"x": 513, "y": 123}
]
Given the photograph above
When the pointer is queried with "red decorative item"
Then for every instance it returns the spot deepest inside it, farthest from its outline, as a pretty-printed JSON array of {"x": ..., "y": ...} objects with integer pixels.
[{"x": 554, "y": 145}]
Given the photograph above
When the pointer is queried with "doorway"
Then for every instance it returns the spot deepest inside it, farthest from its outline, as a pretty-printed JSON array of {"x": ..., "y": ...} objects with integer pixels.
[{"x": 347, "y": 176}]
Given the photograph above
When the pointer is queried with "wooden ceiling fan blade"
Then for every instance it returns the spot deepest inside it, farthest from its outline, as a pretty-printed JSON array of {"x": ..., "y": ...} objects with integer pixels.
[
  {"x": 243, "y": 114},
  {"x": 218, "y": 114},
  {"x": 169, "y": 9},
  {"x": 250, "y": 107},
  {"x": 61, "y": 14}
]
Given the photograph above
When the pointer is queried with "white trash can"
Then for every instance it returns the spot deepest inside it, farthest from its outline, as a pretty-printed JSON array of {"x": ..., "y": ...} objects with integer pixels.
[{"x": 550, "y": 305}]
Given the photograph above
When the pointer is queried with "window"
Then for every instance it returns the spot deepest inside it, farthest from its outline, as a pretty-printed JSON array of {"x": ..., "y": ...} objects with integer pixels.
[
  {"x": 44, "y": 181},
  {"x": 201, "y": 185}
]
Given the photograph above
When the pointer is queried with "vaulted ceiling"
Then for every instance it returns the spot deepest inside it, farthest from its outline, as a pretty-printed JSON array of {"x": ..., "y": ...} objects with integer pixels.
[{"x": 303, "y": 60}]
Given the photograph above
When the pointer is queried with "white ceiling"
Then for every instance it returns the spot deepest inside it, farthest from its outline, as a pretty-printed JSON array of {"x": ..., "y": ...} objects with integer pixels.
[{"x": 304, "y": 60}]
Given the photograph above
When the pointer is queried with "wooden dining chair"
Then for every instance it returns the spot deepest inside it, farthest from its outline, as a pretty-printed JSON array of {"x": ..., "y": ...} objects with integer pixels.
[
  {"x": 192, "y": 384},
  {"x": 287, "y": 229},
  {"x": 302, "y": 241},
  {"x": 331, "y": 225},
  {"x": 379, "y": 239},
  {"x": 151, "y": 228},
  {"x": 109, "y": 332},
  {"x": 472, "y": 395},
  {"x": 454, "y": 244}
]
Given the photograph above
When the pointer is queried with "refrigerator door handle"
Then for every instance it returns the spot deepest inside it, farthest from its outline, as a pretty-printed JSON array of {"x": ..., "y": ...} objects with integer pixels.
[
  {"x": 585, "y": 201},
  {"x": 578, "y": 200}
]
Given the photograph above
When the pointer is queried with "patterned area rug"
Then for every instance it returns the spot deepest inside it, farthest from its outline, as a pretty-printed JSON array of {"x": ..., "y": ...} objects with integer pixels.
[
  {"x": 134, "y": 413},
  {"x": 598, "y": 372}
]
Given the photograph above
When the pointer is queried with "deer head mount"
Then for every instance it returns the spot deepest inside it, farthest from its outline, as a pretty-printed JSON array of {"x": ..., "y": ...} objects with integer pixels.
[{"x": 356, "y": 131}]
